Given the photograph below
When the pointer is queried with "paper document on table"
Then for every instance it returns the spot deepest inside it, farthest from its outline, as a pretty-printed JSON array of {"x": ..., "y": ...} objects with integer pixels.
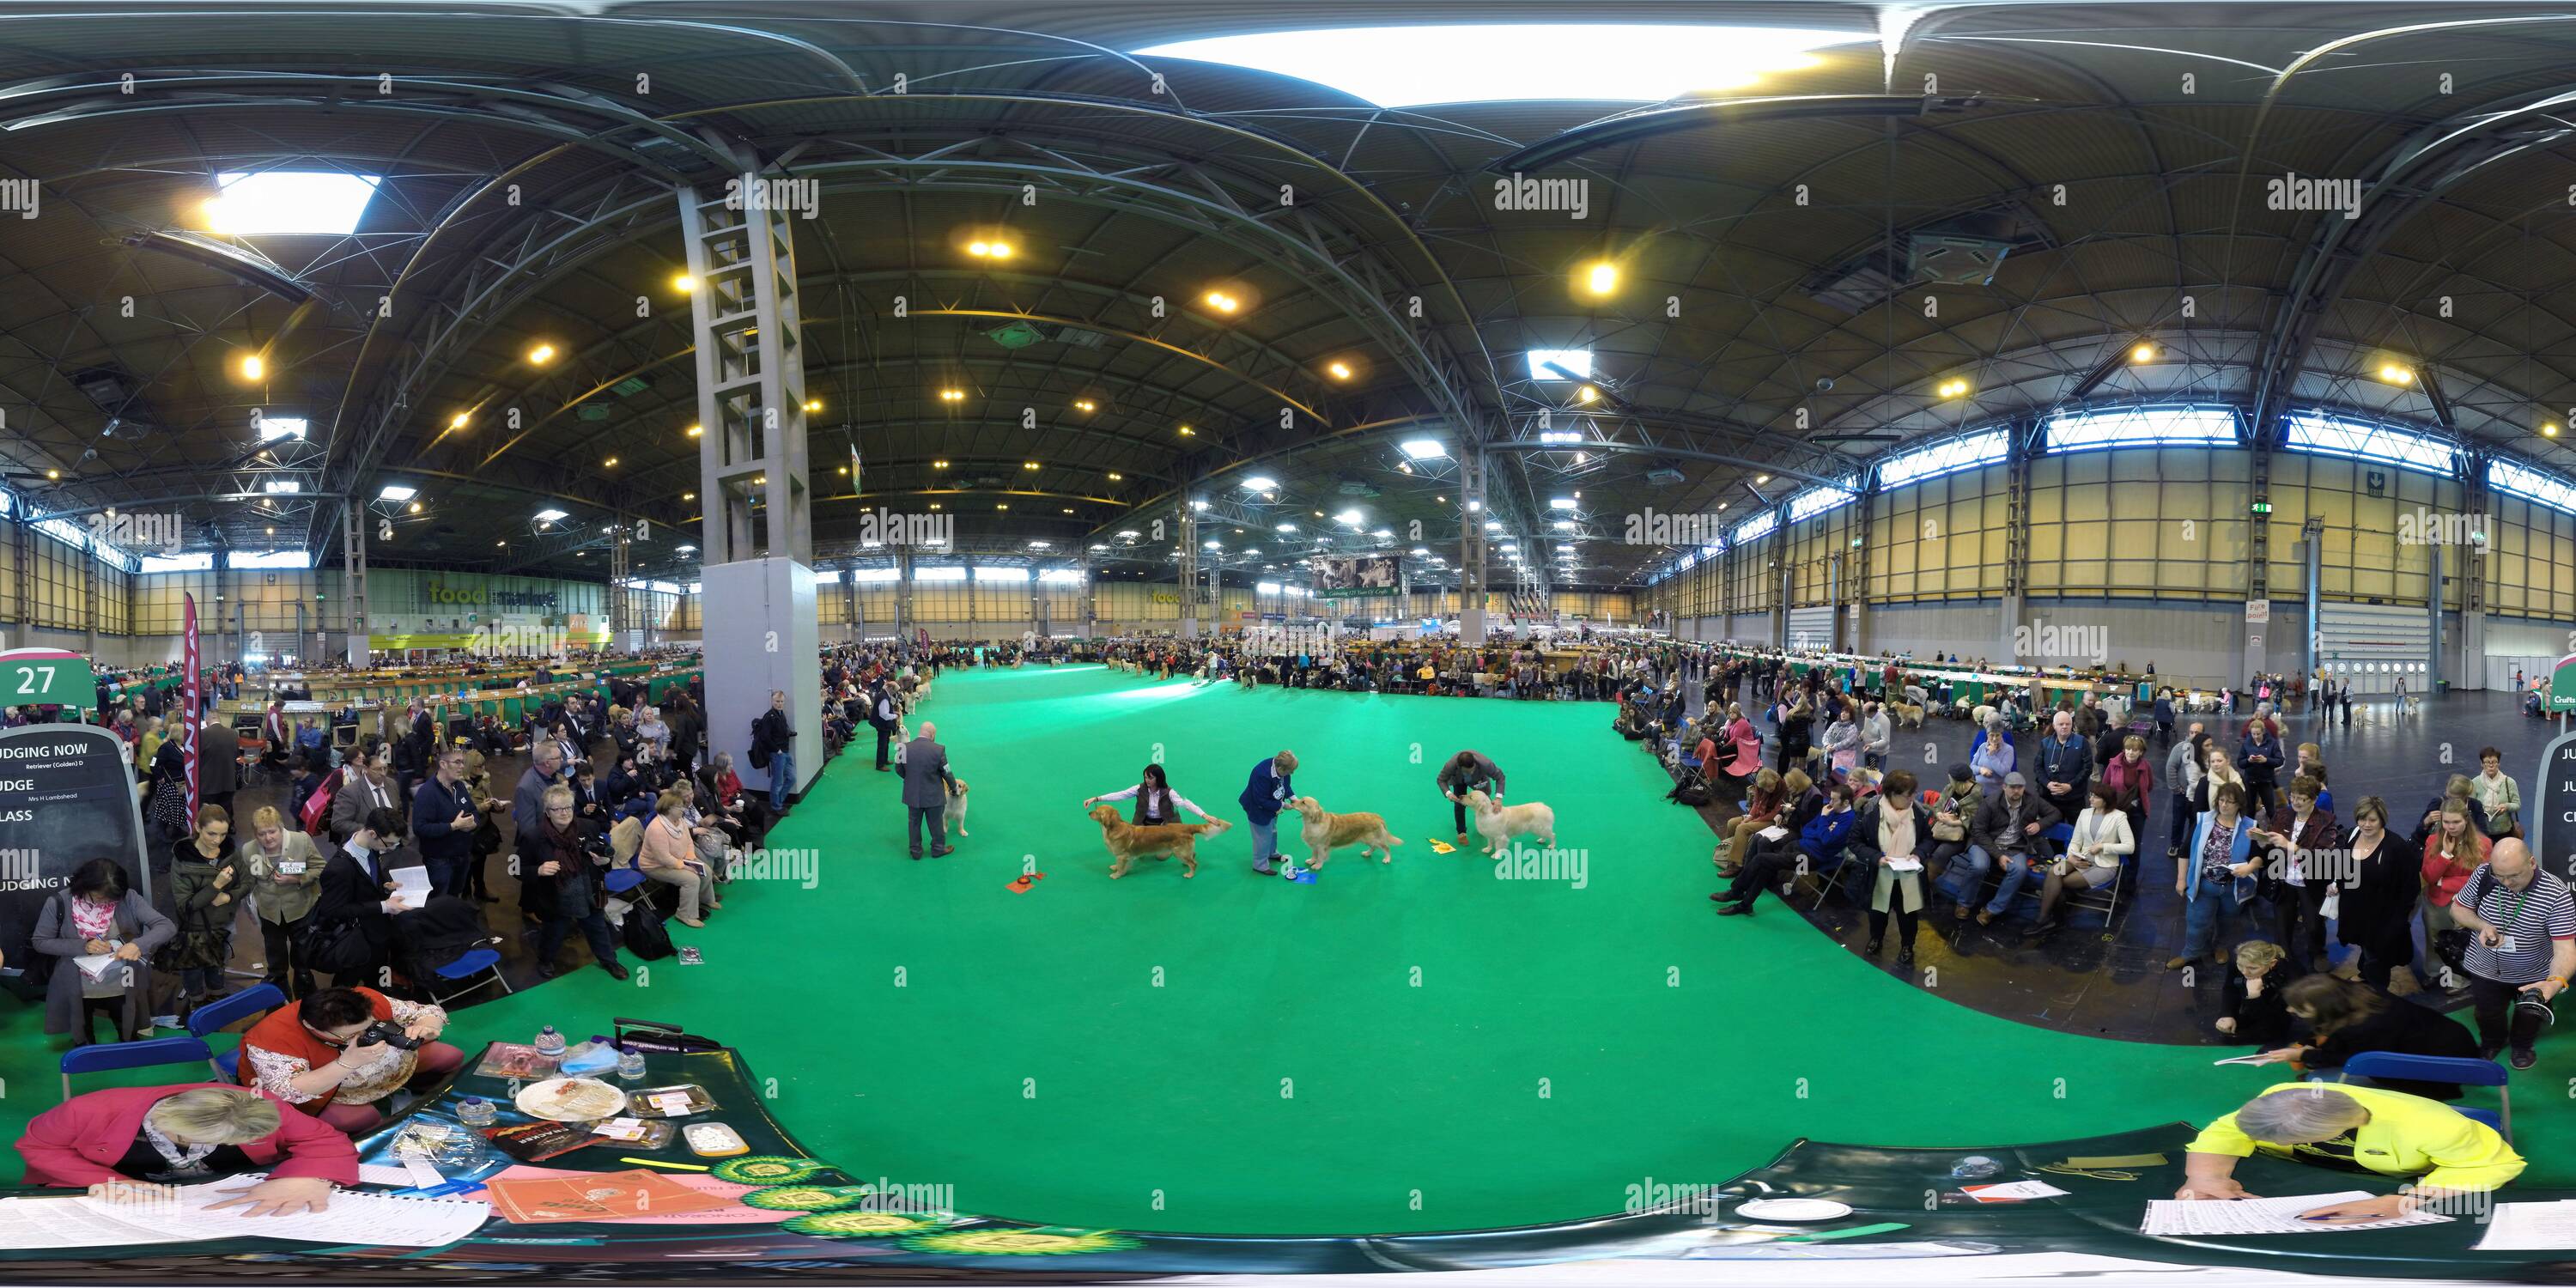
[
  {"x": 367, "y": 1220},
  {"x": 69, "y": 1222},
  {"x": 2011, "y": 1191},
  {"x": 2265, "y": 1216},
  {"x": 411, "y": 886},
  {"x": 2530, "y": 1227}
]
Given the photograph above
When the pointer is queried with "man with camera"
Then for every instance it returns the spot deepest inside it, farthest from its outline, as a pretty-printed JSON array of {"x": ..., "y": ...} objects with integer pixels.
[{"x": 339, "y": 1052}]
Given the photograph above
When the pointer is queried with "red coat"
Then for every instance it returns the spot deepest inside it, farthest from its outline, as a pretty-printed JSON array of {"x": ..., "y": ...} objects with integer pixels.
[{"x": 78, "y": 1142}]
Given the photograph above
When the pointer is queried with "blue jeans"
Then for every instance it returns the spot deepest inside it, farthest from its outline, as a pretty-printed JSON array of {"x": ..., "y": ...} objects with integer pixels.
[
  {"x": 1265, "y": 838},
  {"x": 782, "y": 778},
  {"x": 2015, "y": 868},
  {"x": 2205, "y": 917},
  {"x": 1959, "y": 880}
]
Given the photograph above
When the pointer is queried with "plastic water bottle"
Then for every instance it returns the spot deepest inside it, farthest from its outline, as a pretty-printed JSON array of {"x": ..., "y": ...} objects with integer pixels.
[
  {"x": 550, "y": 1043},
  {"x": 475, "y": 1111}
]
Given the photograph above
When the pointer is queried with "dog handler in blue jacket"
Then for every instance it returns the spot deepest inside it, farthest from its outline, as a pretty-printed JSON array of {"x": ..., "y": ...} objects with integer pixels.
[{"x": 1262, "y": 799}]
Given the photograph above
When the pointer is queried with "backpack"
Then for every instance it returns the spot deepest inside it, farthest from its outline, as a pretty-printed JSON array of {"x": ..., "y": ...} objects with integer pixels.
[
  {"x": 1691, "y": 791},
  {"x": 646, "y": 937},
  {"x": 316, "y": 809},
  {"x": 759, "y": 745}
]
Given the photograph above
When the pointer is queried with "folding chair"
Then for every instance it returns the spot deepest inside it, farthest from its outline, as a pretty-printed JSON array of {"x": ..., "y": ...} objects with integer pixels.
[
  {"x": 2104, "y": 898},
  {"x": 215, "y": 1017},
  {"x": 2442, "y": 1068},
  {"x": 478, "y": 960},
  {"x": 101, "y": 1058}
]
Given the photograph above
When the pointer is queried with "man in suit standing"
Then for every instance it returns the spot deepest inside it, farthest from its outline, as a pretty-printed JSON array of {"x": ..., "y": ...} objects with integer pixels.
[
  {"x": 926, "y": 785},
  {"x": 443, "y": 816},
  {"x": 218, "y": 764},
  {"x": 882, "y": 714}
]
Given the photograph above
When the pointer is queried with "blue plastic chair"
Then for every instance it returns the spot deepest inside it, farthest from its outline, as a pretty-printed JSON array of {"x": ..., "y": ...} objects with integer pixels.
[
  {"x": 474, "y": 962},
  {"x": 132, "y": 1055},
  {"x": 2442, "y": 1068},
  {"x": 215, "y": 1017}
]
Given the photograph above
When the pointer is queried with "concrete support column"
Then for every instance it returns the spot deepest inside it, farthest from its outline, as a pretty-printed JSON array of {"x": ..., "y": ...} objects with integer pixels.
[
  {"x": 2258, "y": 568},
  {"x": 2016, "y": 538},
  {"x": 2470, "y": 671},
  {"x": 1188, "y": 580},
  {"x": 353, "y": 573},
  {"x": 89, "y": 603}
]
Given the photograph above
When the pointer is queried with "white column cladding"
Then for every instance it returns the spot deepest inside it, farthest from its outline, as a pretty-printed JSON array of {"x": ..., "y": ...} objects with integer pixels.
[
  {"x": 1471, "y": 548},
  {"x": 761, "y": 631}
]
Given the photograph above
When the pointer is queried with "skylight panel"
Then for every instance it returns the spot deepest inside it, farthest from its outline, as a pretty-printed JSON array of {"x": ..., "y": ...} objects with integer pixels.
[
  {"x": 2315, "y": 431},
  {"x": 1524, "y": 62},
  {"x": 290, "y": 203},
  {"x": 1560, "y": 364},
  {"x": 2141, "y": 427}
]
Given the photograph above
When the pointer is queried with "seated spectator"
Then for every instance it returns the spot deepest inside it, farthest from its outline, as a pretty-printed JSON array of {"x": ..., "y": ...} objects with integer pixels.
[
  {"x": 2101, "y": 845},
  {"x": 2347, "y": 1128},
  {"x": 2007, "y": 830},
  {"x": 98, "y": 914},
  {"x": 2349, "y": 1018},
  {"x": 1818, "y": 843},
  {"x": 323, "y": 1056},
  {"x": 2257, "y": 981},
  {"x": 1771, "y": 793},
  {"x": 126, "y": 1142}
]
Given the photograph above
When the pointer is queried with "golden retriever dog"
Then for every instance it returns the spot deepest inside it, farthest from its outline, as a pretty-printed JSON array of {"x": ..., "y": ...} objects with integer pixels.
[
  {"x": 1499, "y": 823},
  {"x": 957, "y": 808},
  {"x": 1324, "y": 832},
  {"x": 1129, "y": 842},
  {"x": 1908, "y": 715}
]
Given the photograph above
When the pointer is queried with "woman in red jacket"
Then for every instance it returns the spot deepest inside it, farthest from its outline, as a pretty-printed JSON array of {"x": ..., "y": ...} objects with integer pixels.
[{"x": 129, "y": 1141}]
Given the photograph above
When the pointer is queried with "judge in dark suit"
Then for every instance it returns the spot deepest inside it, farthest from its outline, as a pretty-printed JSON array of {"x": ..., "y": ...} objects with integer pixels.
[
  {"x": 218, "y": 764},
  {"x": 358, "y": 884},
  {"x": 926, "y": 785}
]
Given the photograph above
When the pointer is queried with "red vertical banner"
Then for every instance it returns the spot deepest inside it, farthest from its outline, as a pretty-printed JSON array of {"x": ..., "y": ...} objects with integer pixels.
[{"x": 192, "y": 700}]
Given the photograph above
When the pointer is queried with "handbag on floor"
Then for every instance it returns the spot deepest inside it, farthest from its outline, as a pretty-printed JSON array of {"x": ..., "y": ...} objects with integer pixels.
[{"x": 646, "y": 936}]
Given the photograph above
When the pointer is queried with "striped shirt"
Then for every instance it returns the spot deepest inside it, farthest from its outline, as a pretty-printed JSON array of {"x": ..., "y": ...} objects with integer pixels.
[{"x": 2529, "y": 918}]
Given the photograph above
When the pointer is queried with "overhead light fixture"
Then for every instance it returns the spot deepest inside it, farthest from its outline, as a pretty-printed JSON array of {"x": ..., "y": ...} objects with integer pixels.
[
  {"x": 2394, "y": 374},
  {"x": 415, "y": 507},
  {"x": 1352, "y": 517},
  {"x": 1601, "y": 278},
  {"x": 1287, "y": 527},
  {"x": 1560, "y": 503},
  {"x": 952, "y": 395},
  {"x": 1186, "y": 431},
  {"x": 1260, "y": 483},
  {"x": 541, "y": 354},
  {"x": 1115, "y": 476},
  {"x": 2142, "y": 352},
  {"x": 1424, "y": 449},
  {"x": 253, "y": 366},
  {"x": 688, "y": 496},
  {"x": 551, "y": 516},
  {"x": 1338, "y": 370},
  {"x": 1759, "y": 479},
  {"x": 939, "y": 465},
  {"x": 457, "y": 421},
  {"x": 683, "y": 283},
  {"x": 1028, "y": 465},
  {"x": 992, "y": 249},
  {"x": 610, "y": 463},
  {"x": 813, "y": 404},
  {"x": 1084, "y": 404},
  {"x": 685, "y": 550},
  {"x": 1587, "y": 394},
  {"x": 1128, "y": 534},
  {"x": 1222, "y": 302},
  {"x": 1951, "y": 388},
  {"x": 696, "y": 430},
  {"x": 2549, "y": 429}
]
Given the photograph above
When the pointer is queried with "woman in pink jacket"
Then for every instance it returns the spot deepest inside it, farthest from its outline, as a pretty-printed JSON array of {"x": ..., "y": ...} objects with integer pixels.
[{"x": 128, "y": 1141}]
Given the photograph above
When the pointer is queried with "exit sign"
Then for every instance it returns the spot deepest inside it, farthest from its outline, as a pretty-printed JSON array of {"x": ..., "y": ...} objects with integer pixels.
[{"x": 45, "y": 676}]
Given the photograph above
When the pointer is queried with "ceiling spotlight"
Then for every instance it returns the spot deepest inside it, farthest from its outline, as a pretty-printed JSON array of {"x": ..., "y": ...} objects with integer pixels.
[
  {"x": 813, "y": 404},
  {"x": 1338, "y": 370},
  {"x": 1028, "y": 465},
  {"x": 1186, "y": 431},
  {"x": 695, "y": 430},
  {"x": 1287, "y": 527},
  {"x": 989, "y": 249},
  {"x": 1951, "y": 388},
  {"x": 1198, "y": 505},
  {"x": 2549, "y": 429},
  {"x": 1222, "y": 302},
  {"x": 53, "y": 474},
  {"x": 952, "y": 395},
  {"x": 1084, "y": 404},
  {"x": 2395, "y": 374},
  {"x": 2142, "y": 352},
  {"x": 1560, "y": 503},
  {"x": 456, "y": 421},
  {"x": 415, "y": 507},
  {"x": 541, "y": 354},
  {"x": 683, "y": 283},
  {"x": 1587, "y": 394},
  {"x": 1760, "y": 479},
  {"x": 550, "y": 516},
  {"x": 611, "y": 462},
  {"x": 253, "y": 367},
  {"x": 1115, "y": 476},
  {"x": 1260, "y": 483}
]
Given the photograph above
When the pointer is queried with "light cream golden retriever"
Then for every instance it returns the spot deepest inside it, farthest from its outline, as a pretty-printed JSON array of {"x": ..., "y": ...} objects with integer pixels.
[
  {"x": 1908, "y": 715},
  {"x": 1499, "y": 823},
  {"x": 1324, "y": 832}
]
